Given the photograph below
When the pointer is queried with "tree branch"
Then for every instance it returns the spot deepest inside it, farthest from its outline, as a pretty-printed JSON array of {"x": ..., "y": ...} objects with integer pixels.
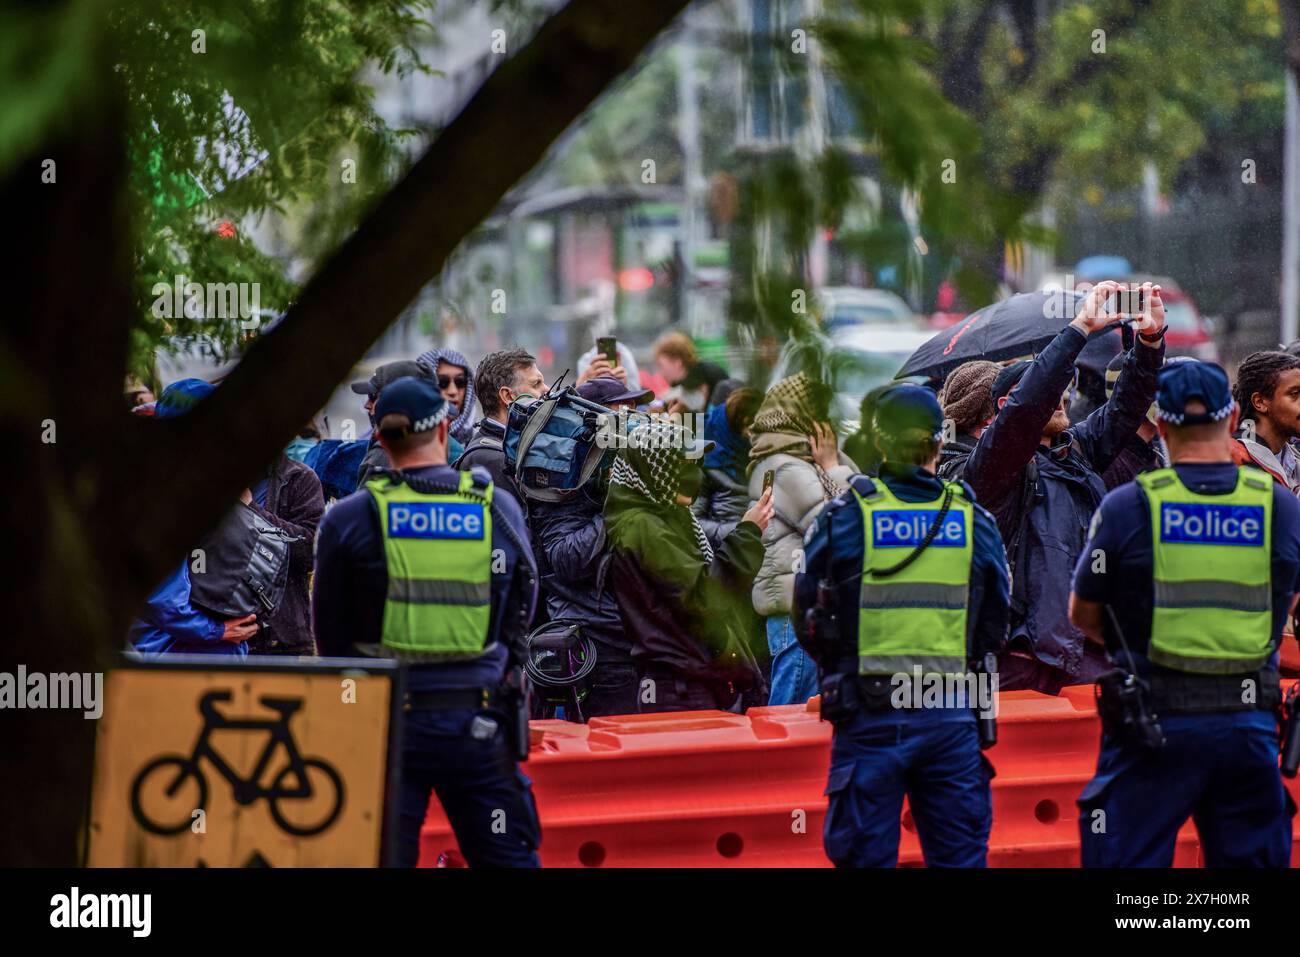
[{"x": 290, "y": 372}]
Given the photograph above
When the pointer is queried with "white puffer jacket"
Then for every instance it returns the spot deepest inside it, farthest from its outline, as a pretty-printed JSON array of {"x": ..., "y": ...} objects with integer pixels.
[{"x": 797, "y": 496}]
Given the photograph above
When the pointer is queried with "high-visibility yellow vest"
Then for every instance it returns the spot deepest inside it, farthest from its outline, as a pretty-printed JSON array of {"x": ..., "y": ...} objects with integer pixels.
[
  {"x": 439, "y": 553},
  {"x": 916, "y": 617},
  {"x": 1212, "y": 573}
]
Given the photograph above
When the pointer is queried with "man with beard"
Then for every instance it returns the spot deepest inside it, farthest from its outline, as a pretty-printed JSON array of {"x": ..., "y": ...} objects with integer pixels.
[{"x": 1041, "y": 479}]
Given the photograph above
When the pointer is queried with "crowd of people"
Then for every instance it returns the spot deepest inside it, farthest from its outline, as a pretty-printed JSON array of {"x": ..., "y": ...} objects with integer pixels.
[
  {"x": 605, "y": 555},
  {"x": 685, "y": 559}
]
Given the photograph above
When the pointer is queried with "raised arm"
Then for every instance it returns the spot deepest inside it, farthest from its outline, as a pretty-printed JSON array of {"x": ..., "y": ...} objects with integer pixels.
[
  {"x": 1008, "y": 444},
  {"x": 1103, "y": 435}
]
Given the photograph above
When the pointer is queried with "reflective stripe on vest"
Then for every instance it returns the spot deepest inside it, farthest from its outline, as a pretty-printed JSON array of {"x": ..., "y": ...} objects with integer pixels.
[
  {"x": 439, "y": 554},
  {"x": 916, "y": 617},
  {"x": 1212, "y": 576}
]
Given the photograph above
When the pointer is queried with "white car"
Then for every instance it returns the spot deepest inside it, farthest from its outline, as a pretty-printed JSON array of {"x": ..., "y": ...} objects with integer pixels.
[
  {"x": 853, "y": 361},
  {"x": 847, "y": 307}
]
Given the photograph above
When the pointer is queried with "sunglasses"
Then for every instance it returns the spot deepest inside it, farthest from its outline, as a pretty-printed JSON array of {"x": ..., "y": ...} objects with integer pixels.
[{"x": 445, "y": 380}]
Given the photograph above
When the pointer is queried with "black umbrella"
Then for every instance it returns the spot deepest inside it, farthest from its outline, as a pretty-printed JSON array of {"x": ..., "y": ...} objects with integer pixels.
[{"x": 1016, "y": 326}]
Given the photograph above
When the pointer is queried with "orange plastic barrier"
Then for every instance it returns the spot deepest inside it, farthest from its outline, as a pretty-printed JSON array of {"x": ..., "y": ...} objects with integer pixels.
[
  {"x": 709, "y": 789},
  {"x": 1289, "y": 663}
]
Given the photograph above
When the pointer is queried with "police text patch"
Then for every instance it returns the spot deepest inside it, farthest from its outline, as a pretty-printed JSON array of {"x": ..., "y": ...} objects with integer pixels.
[
  {"x": 904, "y": 529},
  {"x": 435, "y": 520},
  {"x": 1198, "y": 523}
]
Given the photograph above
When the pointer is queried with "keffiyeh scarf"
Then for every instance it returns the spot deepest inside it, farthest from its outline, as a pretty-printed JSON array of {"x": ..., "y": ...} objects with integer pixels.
[
  {"x": 651, "y": 465},
  {"x": 784, "y": 423},
  {"x": 462, "y": 427}
]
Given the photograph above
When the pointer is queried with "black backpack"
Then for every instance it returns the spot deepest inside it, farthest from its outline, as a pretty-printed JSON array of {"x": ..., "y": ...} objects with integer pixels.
[{"x": 246, "y": 566}]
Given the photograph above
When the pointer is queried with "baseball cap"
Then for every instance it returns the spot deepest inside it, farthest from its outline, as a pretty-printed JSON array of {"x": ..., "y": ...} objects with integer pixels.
[
  {"x": 415, "y": 397},
  {"x": 908, "y": 406},
  {"x": 387, "y": 373},
  {"x": 1181, "y": 382},
  {"x": 607, "y": 390},
  {"x": 1009, "y": 378}
]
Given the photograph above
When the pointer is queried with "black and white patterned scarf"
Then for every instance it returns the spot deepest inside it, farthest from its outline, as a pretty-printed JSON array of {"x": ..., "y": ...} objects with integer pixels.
[{"x": 651, "y": 465}]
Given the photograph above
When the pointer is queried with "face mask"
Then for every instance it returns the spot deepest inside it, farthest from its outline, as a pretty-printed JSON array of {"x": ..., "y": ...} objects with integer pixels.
[
  {"x": 691, "y": 480},
  {"x": 297, "y": 449}
]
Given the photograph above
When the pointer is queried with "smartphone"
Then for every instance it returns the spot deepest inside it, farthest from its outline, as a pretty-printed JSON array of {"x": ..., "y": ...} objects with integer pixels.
[
  {"x": 769, "y": 477},
  {"x": 608, "y": 347},
  {"x": 1128, "y": 302}
]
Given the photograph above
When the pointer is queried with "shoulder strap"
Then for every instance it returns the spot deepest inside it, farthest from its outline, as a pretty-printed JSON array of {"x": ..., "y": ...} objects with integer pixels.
[
  {"x": 1028, "y": 494},
  {"x": 1256, "y": 478},
  {"x": 866, "y": 487},
  {"x": 1158, "y": 479}
]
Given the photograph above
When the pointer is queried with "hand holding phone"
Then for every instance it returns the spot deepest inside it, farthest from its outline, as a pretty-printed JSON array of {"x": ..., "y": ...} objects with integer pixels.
[
  {"x": 1128, "y": 302},
  {"x": 608, "y": 347}
]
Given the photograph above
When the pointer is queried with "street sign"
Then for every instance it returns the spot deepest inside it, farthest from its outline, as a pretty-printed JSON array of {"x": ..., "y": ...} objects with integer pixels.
[{"x": 264, "y": 763}]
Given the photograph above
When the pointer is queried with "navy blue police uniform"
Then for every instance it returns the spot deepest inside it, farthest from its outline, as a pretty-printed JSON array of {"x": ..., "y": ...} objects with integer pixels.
[
  {"x": 1219, "y": 760},
  {"x": 457, "y": 735},
  {"x": 897, "y": 742}
]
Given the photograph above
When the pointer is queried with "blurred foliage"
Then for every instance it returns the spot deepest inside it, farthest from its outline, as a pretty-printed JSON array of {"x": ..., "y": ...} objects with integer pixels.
[
  {"x": 1073, "y": 106},
  {"x": 1020, "y": 102},
  {"x": 637, "y": 119},
  {"x": 1007, "y": 97},
  {"x": 255, "y": 115}
]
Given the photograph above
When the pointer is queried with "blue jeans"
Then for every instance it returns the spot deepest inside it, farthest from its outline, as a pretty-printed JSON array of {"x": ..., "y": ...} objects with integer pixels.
[
  {"x": 876, "y": 760},
  {"x": 1220, "y": 769},
  {"x": 794, "y": 675},
  {"x": 485, "y": 796}
]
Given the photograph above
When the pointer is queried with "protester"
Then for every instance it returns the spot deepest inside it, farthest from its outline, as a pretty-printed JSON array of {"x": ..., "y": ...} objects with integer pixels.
[
  {"x": 137, "y": 393},
  {"x": 861, "y": 446},
  {"x": 678, "y": 598},
  {"x": 376, "y": 458},
  {"x": 455, "y": 381},
  {"x": 290, "y": 498},
  {"x": 724, "y": 493},
  {"x": 337, "y": 464},
  {"x": 308, "y": 438},
  {"x": 967, "y": 401},
  {"x": 678, "y": 362},
  {"x": 1042, "y": 482},
  {"x": 500, "y": 378},
  {"x": 795, "y": 441},
  {"x": 573, "y": 560},
  {"x": 170, "y": 623},
  {"x": 723, "y": 390},
  {"x": 1268, "y": 393},
  {"x": 592, "y": 365},
  {"x": 1144, "y": 451}
]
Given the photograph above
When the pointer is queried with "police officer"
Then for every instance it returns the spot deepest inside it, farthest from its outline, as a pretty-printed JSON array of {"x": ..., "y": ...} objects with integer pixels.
[
  {"x": 433, "y": 566},
  {"x": 1187, "y": 578},
  {"x": 905, "y": 583}
]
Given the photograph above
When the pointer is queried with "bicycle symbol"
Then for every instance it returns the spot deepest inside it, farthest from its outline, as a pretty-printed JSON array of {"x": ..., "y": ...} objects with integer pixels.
[{"x": 177, "y": 771}]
